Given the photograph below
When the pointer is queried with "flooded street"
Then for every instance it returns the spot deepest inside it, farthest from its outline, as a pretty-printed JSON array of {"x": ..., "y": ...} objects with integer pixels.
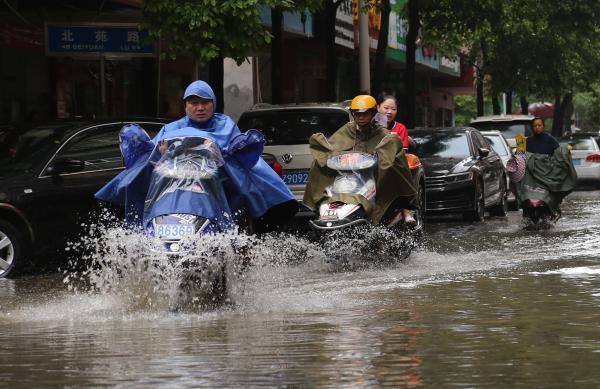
[{"x": 478, "y": 305}]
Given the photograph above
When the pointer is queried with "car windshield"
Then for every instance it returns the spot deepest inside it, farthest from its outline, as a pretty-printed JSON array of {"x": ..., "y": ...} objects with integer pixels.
[
  {"x": 292, "y": 127},
  {"x": 442, "y": 145},
  {"x": 579, "y": 143},
  {"x": 509, "y": 130},
  {"x": 497, "y": 145},
  {"x": 31, "y": 147}
]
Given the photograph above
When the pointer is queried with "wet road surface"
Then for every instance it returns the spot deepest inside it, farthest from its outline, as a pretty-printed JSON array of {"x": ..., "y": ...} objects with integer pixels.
[{"x": 477, "y": 305}]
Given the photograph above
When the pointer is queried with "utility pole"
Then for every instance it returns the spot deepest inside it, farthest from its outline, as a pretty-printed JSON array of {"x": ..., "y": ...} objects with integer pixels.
[{"x": 363, "y": 49}]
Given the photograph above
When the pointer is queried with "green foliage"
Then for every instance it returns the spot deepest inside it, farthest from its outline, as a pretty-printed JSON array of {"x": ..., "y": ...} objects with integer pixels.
[
  {"x": 206, "y": 29},
  {"x": 587, "y": 108},
  {"x": 466, "y": 109},
  {"x": 526, "y": 46}
]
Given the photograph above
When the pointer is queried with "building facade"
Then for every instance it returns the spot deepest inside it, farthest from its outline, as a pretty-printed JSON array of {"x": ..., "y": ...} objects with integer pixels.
[{"x": 84, "y": 61}]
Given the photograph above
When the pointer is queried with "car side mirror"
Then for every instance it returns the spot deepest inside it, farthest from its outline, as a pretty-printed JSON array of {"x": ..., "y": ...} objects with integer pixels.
[
  {"x": 483, "y": 152},
  {"x": 65, "y": 165}
]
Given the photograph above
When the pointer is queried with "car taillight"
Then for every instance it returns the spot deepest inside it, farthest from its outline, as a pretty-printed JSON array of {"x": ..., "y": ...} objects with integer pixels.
[
  {"x": 278, "y": 168},
  {"x": 593, "y": 158},
  {"x": 535, "y": 203}
]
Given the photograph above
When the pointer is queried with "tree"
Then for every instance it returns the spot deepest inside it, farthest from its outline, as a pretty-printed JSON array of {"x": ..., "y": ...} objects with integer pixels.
[
  {"x": 411, "y": 10},
  {"x": 587, "y": 108},
  {"x": 325, "y": 31},
  {"x": 382, "y": 44},
  {"x": 529, "y": 47},
  {"x": 208, "y": 30}
]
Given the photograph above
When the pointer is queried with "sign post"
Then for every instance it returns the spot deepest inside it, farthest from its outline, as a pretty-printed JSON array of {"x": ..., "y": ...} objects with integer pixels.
[{"x": 98, "y": 40}]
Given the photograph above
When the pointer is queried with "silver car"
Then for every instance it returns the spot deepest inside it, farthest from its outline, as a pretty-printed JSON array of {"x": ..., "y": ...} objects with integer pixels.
[
  {"x": 502, "y": 148},
  {"x": 286, "y": 129},
  {"x": 508, "y": 125}
]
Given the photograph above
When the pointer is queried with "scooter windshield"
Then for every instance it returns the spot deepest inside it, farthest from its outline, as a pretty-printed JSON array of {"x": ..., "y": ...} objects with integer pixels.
[
  {"x": 190, "y": 164},
  {"x": 355, "y": 174}
]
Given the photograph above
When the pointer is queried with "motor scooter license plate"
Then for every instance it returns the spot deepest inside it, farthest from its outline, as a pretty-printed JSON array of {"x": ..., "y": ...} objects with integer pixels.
[
  {"x": 295, "y": 177},
  {"x": 577, "y": 162},
  {"x": 174, "y": 231}
]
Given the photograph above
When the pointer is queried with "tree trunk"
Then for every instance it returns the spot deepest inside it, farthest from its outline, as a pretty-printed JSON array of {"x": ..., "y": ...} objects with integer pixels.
[
  {"x": 524, "y": 105},
  {"x": 509, "y": 103},
  {"x": 414, "y": 24},
  {"x": 276, "y": 56},
  {"x": 495, "y": 104},
  {"x": 382, "y": 44},
  {"x": 567, "y": 113},
  {"x": 479, "y": 92},
  {"x": 558, "y": 117},
  {"x": 479, "y": 82},
  {"x": 215, "y": 76},
  {"x": 325, "y": 32}
]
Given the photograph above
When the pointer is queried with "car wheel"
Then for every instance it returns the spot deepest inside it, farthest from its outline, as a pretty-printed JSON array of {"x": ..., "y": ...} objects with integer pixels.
[
  {"x": 501, "y": 209},
  {"x": 478, "y": 214},
  {"x": 513, "y": 205},
  {"x": 11, "y": 250}
]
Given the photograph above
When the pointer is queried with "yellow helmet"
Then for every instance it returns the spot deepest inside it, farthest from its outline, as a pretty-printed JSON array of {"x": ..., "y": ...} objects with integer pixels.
[{"x": 363, "y": 103}]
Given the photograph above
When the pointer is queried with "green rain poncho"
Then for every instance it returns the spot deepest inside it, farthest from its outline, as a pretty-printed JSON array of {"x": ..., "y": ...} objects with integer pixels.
[
  {"x": 547, "y": 177},
  {"x": 393, "y": 176}
]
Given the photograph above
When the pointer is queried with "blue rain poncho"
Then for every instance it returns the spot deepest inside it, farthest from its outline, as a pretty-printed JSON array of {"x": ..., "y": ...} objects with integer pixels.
[{"x": 250, "y": 184}]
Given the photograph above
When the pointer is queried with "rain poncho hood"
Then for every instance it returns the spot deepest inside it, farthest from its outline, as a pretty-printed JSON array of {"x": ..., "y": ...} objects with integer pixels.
[
  {"x": 393, "y": 176},
  {"x": 250, "y": 184},
  {"x": 547, "y": 177}
]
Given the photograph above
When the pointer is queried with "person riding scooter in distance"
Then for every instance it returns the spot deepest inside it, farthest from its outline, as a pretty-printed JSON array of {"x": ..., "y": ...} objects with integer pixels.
[
  {"x": 540, "y": 142},
  {"x": 542, "y": 172},
  {"x": 394, "y": 186}
]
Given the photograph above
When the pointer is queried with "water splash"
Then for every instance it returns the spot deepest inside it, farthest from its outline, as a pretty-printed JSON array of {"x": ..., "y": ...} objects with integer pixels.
[{"x": 121, "y": 262}]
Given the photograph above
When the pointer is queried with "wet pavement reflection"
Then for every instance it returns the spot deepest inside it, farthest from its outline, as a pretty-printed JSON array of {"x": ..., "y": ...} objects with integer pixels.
[{"x": 476, "y": 305}]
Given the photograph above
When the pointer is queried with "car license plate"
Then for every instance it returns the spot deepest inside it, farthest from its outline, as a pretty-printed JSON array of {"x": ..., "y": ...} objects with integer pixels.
[
  {"x": 174, "y": 231},
  {"x": 295, "y": 177},
  {"x": 577, "y": 162}
]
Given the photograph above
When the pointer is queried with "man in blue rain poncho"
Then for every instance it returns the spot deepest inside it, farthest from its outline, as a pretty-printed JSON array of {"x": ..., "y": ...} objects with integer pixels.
[{"x": 252, "y": 189}]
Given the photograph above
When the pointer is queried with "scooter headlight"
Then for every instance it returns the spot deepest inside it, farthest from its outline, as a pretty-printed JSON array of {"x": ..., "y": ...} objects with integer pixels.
[{"x": 346, "y": 184}]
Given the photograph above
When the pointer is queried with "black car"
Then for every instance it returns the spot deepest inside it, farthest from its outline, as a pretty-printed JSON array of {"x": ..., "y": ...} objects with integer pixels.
[
  {"x": 462, "y": 172},
  {"x": 47, "y": 185}
]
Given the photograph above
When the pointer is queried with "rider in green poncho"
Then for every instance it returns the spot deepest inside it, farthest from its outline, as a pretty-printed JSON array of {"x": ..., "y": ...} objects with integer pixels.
[
  {"x": 394, "y": 185},
  {"x": 546, "y": 170}
]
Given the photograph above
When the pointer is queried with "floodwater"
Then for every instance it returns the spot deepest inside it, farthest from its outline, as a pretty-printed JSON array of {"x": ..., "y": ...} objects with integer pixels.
[{"x": 477, "y": 305}]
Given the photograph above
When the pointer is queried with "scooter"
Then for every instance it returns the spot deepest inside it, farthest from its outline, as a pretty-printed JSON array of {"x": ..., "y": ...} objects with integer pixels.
[
  {"x": 354, "y": 191},
  {"x": 184, "y": 209},
  {"x": 537, "y": 213},
  {"x": 355, "y": 177},
  {"x": 185, "y": 197}
]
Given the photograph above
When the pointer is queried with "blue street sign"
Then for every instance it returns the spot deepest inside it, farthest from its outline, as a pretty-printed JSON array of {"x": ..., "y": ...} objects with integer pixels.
[{"x": 97, "y": 39}]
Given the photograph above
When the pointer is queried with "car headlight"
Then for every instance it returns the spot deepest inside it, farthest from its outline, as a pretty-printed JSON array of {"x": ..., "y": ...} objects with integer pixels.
[{"x": 460, "y": 177}]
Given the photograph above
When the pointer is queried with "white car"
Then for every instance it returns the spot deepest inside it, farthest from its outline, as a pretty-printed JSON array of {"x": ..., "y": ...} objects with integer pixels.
[
  {"x": 508, "y": 125},
  {"x": 502, "y": 148},
  {"x": 585, "y": 154}
]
